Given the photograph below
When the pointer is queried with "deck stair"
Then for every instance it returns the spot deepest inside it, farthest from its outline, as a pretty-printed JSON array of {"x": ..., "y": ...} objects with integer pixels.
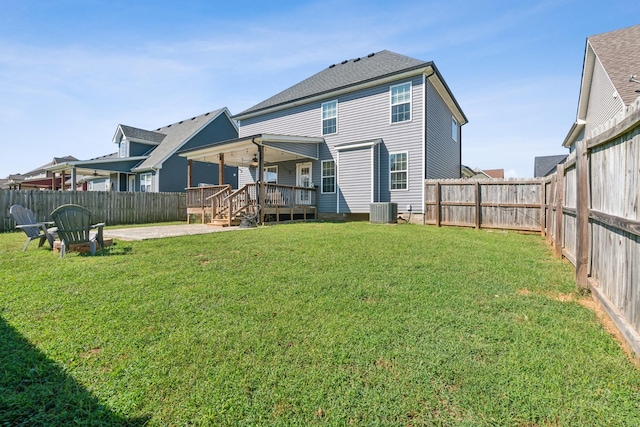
[{"x": 228, "y": 207}]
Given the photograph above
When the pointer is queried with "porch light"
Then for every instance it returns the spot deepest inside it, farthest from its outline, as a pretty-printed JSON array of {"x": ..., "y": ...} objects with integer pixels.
[{"x": 254, "y": 161}]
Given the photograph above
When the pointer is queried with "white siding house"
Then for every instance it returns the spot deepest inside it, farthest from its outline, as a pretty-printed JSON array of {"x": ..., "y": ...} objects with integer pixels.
[{"x": 611, "y": 61}]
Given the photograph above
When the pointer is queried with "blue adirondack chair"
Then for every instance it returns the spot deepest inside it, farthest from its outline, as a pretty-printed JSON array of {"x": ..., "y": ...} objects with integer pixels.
[
  {"x": 74, "y": 227},
  {"x": 26, "y": 221}
]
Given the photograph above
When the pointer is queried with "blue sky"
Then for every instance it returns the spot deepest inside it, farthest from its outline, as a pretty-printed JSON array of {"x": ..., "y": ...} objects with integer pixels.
[{"x": 71, "y": 71}]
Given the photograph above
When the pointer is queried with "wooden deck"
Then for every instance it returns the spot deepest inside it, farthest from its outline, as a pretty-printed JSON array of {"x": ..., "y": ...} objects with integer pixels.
[{"x": 221, "y": 205}]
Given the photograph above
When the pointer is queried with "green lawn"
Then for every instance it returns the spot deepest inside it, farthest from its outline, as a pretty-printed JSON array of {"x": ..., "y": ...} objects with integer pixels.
[{"x": 307, "y": 324}]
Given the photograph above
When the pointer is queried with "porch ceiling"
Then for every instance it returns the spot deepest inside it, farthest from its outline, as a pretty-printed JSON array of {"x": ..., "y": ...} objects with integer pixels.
[{"x": 242, "y": 151}]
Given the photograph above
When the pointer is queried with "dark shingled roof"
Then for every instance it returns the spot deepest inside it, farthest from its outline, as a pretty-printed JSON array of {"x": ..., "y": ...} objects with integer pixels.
[
  {"x": 145, "y": 135},
  {"x": 619, "y": 52},
  {"x": 546, "y": 165},
  {"x": 342, "y": 75},
  {"x": 175, "y": 135}
]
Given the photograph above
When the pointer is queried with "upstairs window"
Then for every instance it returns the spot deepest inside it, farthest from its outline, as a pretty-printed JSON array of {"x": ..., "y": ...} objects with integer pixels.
[
  {"x": 328, "y": 176},
  {"x": 401, "y": 103},
  {"x": 398, "y": 167},
  {"x": 329, "y": 117},
  {"x": 123, "y": 148},
  {"x": 454, "y": 129}
]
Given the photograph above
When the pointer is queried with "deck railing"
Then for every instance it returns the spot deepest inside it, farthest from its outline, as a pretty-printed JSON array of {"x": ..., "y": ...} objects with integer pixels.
[
  {"x": 200, "y": 197},
  {"x": 286, "y": 196},
  {"x": 220, "y": 200}
]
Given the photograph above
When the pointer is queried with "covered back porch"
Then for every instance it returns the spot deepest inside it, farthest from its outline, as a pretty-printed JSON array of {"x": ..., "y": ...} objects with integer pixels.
[{"x": 259, "y": 194}]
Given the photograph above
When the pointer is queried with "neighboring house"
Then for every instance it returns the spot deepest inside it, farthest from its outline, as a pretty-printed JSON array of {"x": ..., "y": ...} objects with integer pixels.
[
  {"x": 364, "y": 130},
  {"x": 468, "y": 173},
  {"x": 477, "y": 173},
  {"x": 494, "y": 173},
  {"x": 39, "y": 178},
  {"x": 610, "y": 81},
  {"x": 147, "y": 161},
  {"x": 547, "y": 165}
]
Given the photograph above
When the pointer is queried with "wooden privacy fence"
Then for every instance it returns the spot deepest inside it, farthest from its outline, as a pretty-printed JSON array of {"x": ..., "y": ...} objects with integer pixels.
[
  {"x": 588, "y": 211},
  {"x": 505, "y": 204},
  {"x": 110, "y": 207}
]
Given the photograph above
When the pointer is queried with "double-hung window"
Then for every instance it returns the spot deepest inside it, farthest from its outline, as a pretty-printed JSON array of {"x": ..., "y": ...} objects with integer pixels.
[
  {"x": 398, "y": 167},
  {"x": 145, "y": 182},
  {"x": 123, "y": 148},
  {"x": 329, "y": 117},
  {"x": 328, "y": 176},
  {"x": 401, "y": 103}
]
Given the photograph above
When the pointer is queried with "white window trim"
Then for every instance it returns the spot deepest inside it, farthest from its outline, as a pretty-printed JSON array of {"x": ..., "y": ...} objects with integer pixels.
[
  {"x": 264, "y": 169},
  {"x": 322, "y": 177},
  {"x": 454, "y": 125},
  {"x": 410, "y": 103},
  {"x": 150, "y": 190},
  {"x": 124, "y": 143},
  {"x": 406, "y": 170},
  {"x": 322, "y": 118}
]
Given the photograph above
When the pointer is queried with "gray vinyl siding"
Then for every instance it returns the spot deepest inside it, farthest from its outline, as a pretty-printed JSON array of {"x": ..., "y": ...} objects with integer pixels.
[
  {"x": 376, "y": 167},
  {"x": 362, "y": 115},
  {"x": 354, "y": 194},
  {"x": 245, "y": 176},
  {"x": 139, "y": 149},
  {"x": 602, "y": 104},
  {"x": 443, "y": 153}
]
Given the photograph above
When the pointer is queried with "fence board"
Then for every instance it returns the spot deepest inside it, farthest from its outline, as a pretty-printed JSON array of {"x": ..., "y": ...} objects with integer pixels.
[
  {"x": 113, "y": 208},
  {"x": 501, "y": 204}
]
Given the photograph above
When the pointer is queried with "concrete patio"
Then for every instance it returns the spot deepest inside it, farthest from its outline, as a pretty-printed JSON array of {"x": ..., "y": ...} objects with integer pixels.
[{"x": 160, "y": 231}]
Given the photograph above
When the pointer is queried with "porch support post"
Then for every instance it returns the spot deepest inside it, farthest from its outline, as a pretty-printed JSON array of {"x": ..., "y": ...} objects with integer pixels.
[
  {"x": 221, "y": 170},
  {"x": 190, "y": 173},
  {"x": 74, "y": 178},
  {"x": 53, "y": 181},
  {"x": 259, "y": 174},
  {"x": 63, "y": 178}
]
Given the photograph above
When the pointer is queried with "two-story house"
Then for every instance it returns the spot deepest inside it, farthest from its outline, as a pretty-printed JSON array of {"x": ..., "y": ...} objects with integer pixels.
[
  {"x": 146, "y": 160},
  {"x": 363, "y": 130},
  {"x": 610, "y": 82}
]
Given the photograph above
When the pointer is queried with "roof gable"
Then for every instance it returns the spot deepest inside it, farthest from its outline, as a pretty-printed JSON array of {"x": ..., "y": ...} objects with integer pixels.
[
  {"x": 130, "y": 132},
  {"x": 176, "y": 135},
  {"x": 619, "y": 53},
  {"x": 342, "y": 75}
]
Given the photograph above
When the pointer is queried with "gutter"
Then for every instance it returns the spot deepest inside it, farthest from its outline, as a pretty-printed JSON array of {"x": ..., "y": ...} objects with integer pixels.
[{"x": 576, "y": 128}]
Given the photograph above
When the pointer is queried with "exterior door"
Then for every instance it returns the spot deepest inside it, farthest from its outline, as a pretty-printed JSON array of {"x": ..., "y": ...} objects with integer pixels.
[
  {"x": 132, "y": 183},
  {"x": 303, "y": 179}
]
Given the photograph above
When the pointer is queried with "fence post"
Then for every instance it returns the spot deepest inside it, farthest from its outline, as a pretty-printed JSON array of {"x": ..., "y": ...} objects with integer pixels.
[
  {"x": 437, "y": 191},
  {"x": 582, "y": 214},
  {"x": 478, "y": 207},
  {"x": 551, "y": 205},
  {"x": 559, "y": 220},
  {"x": 543, "y": 208}
]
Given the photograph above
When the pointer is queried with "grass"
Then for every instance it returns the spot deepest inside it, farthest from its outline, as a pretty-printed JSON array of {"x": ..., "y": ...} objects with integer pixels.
[{"x": 307, "y": 324}]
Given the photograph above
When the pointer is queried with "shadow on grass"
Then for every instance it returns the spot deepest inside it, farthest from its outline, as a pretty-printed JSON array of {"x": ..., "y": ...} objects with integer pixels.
[
  {"x": 34, "y": 391},
  {"x": 113, "y": 250}
]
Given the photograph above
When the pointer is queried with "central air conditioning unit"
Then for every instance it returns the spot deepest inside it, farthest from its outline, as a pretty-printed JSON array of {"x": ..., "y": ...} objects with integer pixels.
[{"x": 383, "y": 213}]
